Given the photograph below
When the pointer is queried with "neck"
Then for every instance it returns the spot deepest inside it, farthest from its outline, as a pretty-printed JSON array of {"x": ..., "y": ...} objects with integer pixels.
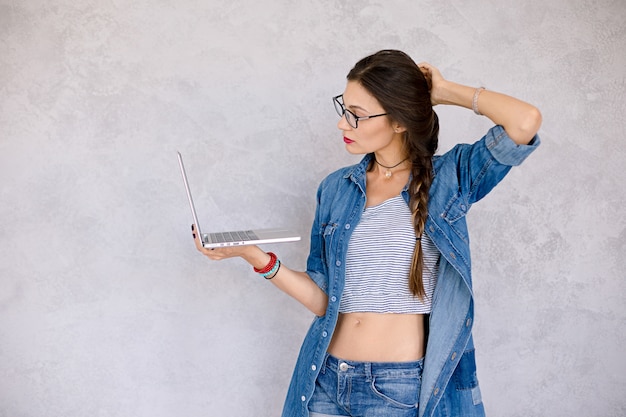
[{"x": 387, "y": 169}]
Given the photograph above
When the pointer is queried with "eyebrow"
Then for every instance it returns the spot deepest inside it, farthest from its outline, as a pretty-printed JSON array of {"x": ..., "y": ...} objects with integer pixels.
[{"x": 355, "y": 107}]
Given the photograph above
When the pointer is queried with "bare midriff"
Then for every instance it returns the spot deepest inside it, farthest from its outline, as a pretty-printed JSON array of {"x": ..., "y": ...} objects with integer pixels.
[{"x": 376, "y": 337}]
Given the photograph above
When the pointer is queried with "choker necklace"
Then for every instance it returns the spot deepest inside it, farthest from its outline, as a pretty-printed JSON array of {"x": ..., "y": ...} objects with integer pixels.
[{"x": 388, "y": 173}]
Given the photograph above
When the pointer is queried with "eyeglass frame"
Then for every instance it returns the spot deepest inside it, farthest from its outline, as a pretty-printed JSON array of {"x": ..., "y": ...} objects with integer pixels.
[{"x": 343, "y": 111}]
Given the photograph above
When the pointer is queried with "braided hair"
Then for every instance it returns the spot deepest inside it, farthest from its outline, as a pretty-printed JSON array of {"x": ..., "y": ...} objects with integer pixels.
[{"x": 398, "y": 84}]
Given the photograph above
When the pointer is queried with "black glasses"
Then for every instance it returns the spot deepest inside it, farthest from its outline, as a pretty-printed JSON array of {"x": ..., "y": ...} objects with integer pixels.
[{"x": 351, "y": 118}]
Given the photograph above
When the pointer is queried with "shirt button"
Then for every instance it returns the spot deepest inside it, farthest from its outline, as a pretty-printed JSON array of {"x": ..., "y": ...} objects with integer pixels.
[
  {"x": 436, "y": 392},
  {"x": 468, "y": 322},
  {"x": 324, "y": 334},
  {"x": 347, "y": 226},
  {"x": 452, "y": 255},
  {"x": 303, "y": 398},
  {"x": 338, "y": 263},
  {"x": 313, "y": 367},
  {"x": 453, "y": 356},
  {"x": 432, "y": 229}
]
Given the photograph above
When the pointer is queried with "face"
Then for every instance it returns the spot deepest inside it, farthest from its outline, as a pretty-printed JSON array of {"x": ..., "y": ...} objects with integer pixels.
[{"x": 372, "y": 135}]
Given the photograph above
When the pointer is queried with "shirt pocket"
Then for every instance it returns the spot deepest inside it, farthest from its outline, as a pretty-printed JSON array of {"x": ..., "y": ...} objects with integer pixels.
[
  {"x": 327, "y": 231},
  {"x": 465, "y": 373},
  {"x": 465, "y": 378},
  {"x": 456, "y": 208}
]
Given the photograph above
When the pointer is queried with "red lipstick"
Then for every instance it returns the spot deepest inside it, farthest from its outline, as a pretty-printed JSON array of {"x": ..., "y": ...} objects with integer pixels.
[{"x": 346, "y": 140}]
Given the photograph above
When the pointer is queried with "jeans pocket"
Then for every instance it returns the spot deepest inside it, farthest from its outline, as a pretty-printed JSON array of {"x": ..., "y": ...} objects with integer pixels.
[{"x": 398, "y": 392}]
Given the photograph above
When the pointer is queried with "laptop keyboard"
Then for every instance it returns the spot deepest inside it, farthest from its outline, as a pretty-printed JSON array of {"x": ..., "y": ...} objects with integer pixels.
[{"x": 233, "y": 236}]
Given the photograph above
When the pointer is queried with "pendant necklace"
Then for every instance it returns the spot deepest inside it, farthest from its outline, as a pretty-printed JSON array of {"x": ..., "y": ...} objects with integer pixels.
[{"x": 388, "y": 173}]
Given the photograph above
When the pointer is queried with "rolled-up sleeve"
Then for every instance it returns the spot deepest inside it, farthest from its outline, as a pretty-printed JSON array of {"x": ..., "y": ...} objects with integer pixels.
[
  {"x": 504, "y": 150},
  {"x": 482, "y": 165}
]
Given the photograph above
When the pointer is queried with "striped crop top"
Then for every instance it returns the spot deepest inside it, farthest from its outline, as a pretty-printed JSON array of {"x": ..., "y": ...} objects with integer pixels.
[{"x": 378, "y": 262}]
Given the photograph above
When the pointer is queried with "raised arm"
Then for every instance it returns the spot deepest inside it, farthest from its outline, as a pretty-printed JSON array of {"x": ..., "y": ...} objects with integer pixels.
[
  {"x": 294, "y": 283},
  {"x": 520, "y": 119}
]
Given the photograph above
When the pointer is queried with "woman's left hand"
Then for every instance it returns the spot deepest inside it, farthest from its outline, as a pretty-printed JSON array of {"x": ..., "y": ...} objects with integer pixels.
[
  {"x": 226, "y": 252},
  {"x": 435, "y": 82}
]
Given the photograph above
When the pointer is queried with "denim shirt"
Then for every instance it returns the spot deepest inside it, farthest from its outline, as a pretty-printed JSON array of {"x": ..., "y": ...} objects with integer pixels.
[{"x": 462, "y": 176}]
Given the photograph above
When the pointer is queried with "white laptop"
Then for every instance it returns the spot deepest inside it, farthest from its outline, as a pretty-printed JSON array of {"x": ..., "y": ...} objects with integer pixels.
[{"x": 240, "y": 237}]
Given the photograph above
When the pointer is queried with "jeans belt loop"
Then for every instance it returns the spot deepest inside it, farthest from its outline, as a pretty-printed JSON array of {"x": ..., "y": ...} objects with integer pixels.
[{"x": 368, "y": 371}]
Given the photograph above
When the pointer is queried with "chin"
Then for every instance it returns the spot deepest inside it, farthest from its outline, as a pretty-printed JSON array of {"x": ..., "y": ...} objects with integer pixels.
[{"x": 355, "y": 151}]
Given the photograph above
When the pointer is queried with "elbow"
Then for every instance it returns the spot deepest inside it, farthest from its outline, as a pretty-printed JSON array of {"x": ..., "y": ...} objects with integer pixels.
[
  {"x": 320, "y": 309},
  {"x": 533, "y": 121},
  {"x": 320, "y": 313},
  {"x": 528, "y": 126}
]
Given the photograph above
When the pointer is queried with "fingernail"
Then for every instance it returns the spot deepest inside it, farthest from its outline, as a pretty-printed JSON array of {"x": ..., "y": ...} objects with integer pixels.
[
  {"x": 192, "y": 226},
  {"x": 194, "y": 235}
]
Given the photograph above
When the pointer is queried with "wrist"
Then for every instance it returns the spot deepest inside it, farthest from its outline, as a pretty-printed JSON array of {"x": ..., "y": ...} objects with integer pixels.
[
  {"x": 270, "y": 270},
  {"x": 256, "y": 257},
  {"x": 443, "y": 93},
  {"x": 455, "y": 94}
]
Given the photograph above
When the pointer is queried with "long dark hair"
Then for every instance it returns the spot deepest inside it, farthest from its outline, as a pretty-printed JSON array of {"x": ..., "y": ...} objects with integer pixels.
[{"x": 398, "y": 84}]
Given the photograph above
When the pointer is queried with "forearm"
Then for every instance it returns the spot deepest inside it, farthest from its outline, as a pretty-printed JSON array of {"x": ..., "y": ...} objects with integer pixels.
[
  {"x": 520, "y": 119},
  {"x": 294, "y": 283}
]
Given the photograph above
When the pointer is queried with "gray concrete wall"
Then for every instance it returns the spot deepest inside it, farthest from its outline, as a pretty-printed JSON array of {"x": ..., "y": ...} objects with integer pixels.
[{"x": 106, "y": 309}]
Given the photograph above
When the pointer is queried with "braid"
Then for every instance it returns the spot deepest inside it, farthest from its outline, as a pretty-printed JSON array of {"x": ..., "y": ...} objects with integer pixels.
[
  {"x": 421, "y": 154},
  {"x": 418, "y": 189}
]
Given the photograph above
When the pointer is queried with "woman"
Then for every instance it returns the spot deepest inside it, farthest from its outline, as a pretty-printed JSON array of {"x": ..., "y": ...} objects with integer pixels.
[{"x": 388, "y": 274}]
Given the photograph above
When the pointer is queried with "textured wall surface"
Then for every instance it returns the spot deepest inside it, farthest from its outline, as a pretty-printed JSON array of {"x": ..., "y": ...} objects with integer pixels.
[{"x": 106, "y": 309}]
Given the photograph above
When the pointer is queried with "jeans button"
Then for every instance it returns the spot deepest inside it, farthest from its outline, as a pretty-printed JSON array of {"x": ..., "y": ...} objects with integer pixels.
[{"x": 343, "y": 367}]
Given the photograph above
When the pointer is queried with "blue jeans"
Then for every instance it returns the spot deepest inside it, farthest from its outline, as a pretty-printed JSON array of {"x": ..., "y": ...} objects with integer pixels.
[{"x": 367, "y": 389}]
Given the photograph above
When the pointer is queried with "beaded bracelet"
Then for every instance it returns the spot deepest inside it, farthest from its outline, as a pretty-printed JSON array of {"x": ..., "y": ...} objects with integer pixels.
[
  {"x": 475, "y": 100},
  {"x": 273, "y": 272},
  {"x": 269, "y": 266}
]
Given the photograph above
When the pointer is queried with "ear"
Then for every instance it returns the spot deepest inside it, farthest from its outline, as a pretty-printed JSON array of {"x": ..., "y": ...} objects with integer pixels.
[{"x": 398, "y": 128}]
